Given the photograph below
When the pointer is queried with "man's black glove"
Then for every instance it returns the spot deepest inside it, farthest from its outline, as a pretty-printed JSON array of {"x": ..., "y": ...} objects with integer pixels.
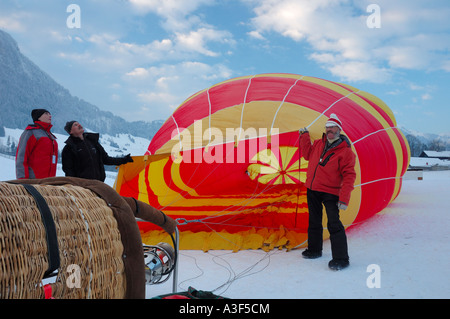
[{"x": 127, "y": 159}]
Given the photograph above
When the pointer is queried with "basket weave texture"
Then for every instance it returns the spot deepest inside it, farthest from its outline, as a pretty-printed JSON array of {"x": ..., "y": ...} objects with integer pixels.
[{"x": 90, "y": 246}]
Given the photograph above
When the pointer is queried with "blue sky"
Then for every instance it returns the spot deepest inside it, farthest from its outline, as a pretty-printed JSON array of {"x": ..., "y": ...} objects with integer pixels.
[{"x": 141, "y": 58}]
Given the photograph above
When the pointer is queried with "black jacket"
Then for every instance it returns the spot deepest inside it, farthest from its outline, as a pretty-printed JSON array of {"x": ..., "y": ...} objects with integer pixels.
[{"x": 86, "y": 158}]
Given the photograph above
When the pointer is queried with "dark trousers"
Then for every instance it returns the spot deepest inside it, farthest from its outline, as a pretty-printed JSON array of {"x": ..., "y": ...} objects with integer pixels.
[{"x": 338, "y": 238}]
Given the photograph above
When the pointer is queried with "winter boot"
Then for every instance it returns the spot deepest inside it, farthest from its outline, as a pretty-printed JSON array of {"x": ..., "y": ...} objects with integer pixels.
[
  {"x": 308, "y": 254},
  {"x": 338, "y": 264}
]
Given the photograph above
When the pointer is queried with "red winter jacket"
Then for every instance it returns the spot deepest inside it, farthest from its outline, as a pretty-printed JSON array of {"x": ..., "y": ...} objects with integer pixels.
[
  {"x": 37, "y": 152},
  {"x": 331, "y": 172}
]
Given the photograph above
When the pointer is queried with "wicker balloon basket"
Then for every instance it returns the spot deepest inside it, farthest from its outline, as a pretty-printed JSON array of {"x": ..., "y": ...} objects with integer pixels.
[{"x": 88, "y": 239}]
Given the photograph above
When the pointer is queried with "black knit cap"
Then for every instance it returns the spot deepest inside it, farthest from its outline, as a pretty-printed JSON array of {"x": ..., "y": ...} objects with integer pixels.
[
  {"x": 68, "y": 126},
  {"x": 37, "y": 113}
]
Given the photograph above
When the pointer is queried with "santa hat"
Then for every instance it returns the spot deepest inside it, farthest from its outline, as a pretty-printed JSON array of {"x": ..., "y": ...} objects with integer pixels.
[{"x": 333, "y": 121}]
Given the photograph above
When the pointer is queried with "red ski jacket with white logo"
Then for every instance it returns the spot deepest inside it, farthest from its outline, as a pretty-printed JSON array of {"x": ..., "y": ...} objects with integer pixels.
[
  {"x": 332, "y": 170},
  {"x": 37, "y": 152}
]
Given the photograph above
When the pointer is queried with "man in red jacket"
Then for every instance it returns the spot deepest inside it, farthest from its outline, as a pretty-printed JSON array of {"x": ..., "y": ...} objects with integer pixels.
[
  {"x": 329, "y": 182},
  {"x": 37, "y": 152}
]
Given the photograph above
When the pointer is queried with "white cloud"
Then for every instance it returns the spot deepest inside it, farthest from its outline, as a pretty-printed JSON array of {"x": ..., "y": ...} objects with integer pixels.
[
  {"x": 168, "y": 85},
  {"x": 415, "y": 87},
  {"x": 256, "y": 35},
  {"x": 158, "y": 98},
  {"x": 426, "y": 96},
  {"x": 189, "y": 33},
  {"x": 411, "y": 35},
  {"x": 138, "y": 73},
  {"x": 112, "y": 50},
  {"x": 178, "y": 76},
  {"x": 59, "y": 37},
  {"x": 106, "y": 52},
  {"x": 112, "y": 53},
  {"x": 407, "y": 57},
  {"x": 326, "y": 58},
  {"x": 195, "y": 41},
  {"x": 12, "y": 23},
  {"x": 168, "y": 7},
  {"x": 446, "y": 65},
  {"x": 177, "y": 14},
  {"x": 425, "y": 92},
  {"x": 359, "y": 71}
]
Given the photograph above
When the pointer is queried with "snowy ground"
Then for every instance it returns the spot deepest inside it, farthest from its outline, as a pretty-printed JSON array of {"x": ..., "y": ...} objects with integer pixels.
[
  {"x": 402, "y": 252},
  {"x": 408, "y": 243}
]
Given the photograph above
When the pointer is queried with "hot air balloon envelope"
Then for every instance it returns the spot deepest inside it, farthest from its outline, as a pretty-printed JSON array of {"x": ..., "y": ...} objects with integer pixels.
[{"x": 227, "y": 166}]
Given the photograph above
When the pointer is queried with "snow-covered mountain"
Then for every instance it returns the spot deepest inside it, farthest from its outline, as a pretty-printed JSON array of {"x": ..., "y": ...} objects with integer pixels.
[
  {"x": 419, "y": 141},
  {"x": 24, "y": 86},
  {"x": 425, "y": 137},
  {"x": 115, "y": 145}
]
